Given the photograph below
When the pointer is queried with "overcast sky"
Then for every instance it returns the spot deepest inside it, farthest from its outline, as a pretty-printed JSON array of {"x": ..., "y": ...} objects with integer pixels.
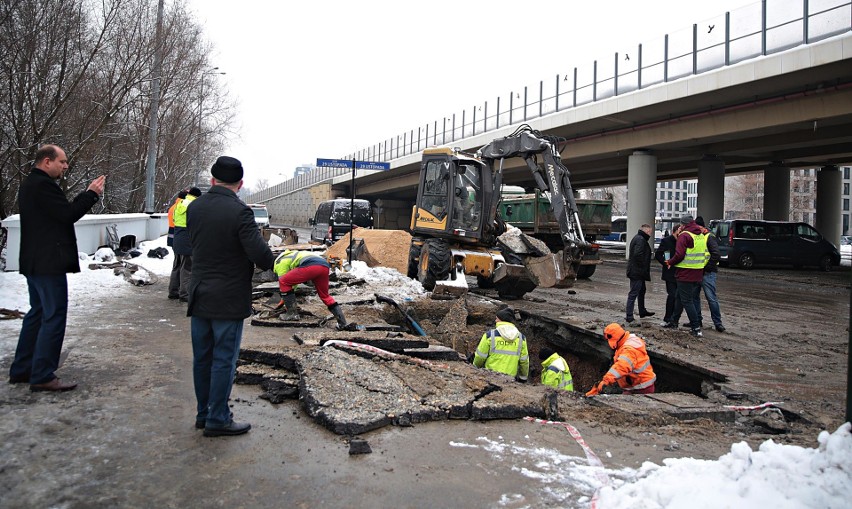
[{"x": 325, "y": 79}]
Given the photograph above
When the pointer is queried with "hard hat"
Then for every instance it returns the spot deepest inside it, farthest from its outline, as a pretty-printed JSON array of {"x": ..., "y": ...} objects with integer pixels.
[{"x": 613, "y": 334}]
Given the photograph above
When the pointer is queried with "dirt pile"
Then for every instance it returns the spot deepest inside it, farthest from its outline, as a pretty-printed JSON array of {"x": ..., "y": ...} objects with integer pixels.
[{"x": 378, "y": 248}]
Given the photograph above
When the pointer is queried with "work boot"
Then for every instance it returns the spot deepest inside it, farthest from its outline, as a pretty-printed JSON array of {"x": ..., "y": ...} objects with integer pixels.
[
  {"x": 696, "y": 332},
  {"x": 338, "y": 314},
  {"x": 292, "y": 313}
]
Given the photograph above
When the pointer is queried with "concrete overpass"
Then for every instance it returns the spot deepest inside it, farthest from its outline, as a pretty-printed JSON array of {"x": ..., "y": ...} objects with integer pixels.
[{"x": 785, "y": 104}]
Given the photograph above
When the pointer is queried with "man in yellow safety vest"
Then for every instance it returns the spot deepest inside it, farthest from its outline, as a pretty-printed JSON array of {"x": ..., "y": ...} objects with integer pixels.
[{"x": 504, "y": 349}]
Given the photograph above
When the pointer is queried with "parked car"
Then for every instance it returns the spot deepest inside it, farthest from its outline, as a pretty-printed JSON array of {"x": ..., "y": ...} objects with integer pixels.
[
  {"x": 745, "y": 243},
  {"x": 331, "y": 220}
]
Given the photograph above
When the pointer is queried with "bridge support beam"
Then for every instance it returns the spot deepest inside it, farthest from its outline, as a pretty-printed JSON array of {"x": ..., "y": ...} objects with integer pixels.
[
  {"x": 641, "y": 192},
  {"x": 829, "y": 198},
  {"x": 776, "y": 193},
  {"x": 710, "y": 203}
]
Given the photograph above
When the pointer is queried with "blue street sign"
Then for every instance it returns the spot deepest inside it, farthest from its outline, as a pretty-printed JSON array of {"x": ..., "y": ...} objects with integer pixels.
[
  {"x": 333, "y": 163},
  {"x": 359, "y": 165},
  {"x": 371, "y": 165}
]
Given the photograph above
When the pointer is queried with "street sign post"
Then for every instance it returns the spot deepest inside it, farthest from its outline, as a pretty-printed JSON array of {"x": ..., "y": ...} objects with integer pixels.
[{"x": 355, "y": 165}]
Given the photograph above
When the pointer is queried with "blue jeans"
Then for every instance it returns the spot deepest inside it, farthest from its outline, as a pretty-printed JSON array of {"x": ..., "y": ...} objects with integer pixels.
[
  {"x": 215, "y": 347},
  {"x": 709, "y": 286},
  {"x": 687, "y": 292},
  {"x": 43, "y": 329}
]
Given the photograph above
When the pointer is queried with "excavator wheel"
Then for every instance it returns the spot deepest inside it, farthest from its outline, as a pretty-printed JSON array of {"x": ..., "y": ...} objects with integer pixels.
[
  {"x": 434, "y": 263},
  {"x": 585, "y": 271},
  {"x": 414, "y": 258}
]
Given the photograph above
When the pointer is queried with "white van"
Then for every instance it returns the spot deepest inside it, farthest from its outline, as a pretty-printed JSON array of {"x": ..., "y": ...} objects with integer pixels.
[{"x": 261, "y": 215}]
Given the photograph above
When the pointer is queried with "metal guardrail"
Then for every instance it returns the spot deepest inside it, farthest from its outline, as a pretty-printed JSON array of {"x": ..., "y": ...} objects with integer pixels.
[{"x": 755, "y": 30}]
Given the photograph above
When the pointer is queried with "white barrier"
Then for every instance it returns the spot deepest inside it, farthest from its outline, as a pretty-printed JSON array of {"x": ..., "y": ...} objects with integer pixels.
[{"x": 91, "y": 231}]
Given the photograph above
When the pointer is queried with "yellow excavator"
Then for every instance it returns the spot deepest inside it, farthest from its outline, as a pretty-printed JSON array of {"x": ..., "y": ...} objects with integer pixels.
[{"x": 457, "y": 230}]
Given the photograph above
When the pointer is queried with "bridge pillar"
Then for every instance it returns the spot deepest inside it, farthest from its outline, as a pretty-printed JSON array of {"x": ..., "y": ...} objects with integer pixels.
[
  {"x": 829, "y": 198},
  {"x": 641, "y": 192},
  {"x": 776, "y": 193},
  {"x": 710, "y": 203}
]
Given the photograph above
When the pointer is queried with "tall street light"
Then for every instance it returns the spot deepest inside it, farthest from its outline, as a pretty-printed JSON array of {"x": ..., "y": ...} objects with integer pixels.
[
  {"x": 155, "y": 105},
  {"x": 214, "y": 70}
]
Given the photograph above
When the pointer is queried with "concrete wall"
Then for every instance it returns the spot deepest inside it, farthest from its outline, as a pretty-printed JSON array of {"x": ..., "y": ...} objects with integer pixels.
[{"x": 91, "y": 232}]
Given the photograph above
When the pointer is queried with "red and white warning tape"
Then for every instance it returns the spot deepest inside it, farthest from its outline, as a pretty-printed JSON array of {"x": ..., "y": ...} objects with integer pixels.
[
  {"x": 384, "y": 353},
  {"x": 755, "y": 407},
  {"x": 593, "y": 458}
]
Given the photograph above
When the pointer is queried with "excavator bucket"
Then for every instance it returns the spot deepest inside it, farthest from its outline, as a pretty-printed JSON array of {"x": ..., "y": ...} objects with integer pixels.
[{"x": 550, "y": 271}]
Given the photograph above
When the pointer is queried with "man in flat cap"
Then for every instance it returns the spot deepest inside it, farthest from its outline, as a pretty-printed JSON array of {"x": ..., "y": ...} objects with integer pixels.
[
  {"x": 226, "y": 246},
  {"x": 689, "y": 259}
]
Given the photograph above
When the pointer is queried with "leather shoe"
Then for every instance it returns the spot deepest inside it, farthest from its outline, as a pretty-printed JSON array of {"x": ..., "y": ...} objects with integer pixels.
[
  {"x": 19, "y": 379},
  {"x": 646, "y": 313},
  {"x": 173, "y": 296},
  {"x": 720, "y": 328},
  {"x": 199, "y": 424},
  {"x": 629, "y": 319},
  {"x": 233, "y": 428},
  {"x": 55, "y": 385}
]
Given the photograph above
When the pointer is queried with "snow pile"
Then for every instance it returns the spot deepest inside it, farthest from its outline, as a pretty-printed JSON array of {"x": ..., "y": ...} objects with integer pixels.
[
  {"x": 776, "y": 475},
  {"x": 385, "y": 281},
  {"x": 104, "y": 254}
]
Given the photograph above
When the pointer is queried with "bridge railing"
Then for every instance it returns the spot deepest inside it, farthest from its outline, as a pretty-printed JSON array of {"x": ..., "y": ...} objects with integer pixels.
[{"x": 754, "y": 30}]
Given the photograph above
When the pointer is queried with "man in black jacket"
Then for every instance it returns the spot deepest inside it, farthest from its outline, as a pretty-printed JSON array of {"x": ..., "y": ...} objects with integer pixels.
[
  {"x": 226, "y": 245},
  {"x": 639, "y": 271},
  {"x": 665, "y": 251},
  {"x": 48, "y": 252}
]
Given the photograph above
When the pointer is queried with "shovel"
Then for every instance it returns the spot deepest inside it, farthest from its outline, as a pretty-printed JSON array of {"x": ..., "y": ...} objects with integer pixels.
[{"x": 412, "y": 324}]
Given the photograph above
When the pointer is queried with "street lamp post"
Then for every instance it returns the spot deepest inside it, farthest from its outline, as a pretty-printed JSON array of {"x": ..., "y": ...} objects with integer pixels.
[{"x": 200, "y": 125}]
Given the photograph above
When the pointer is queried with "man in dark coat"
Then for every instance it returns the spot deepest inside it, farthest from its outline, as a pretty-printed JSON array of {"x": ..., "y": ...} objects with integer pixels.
[
  {"x": 226, "y": 245},
  {"x": 48, "y": 252},
  {"x": 665, "y": 251},
  {"x": 639, "y": 271}
]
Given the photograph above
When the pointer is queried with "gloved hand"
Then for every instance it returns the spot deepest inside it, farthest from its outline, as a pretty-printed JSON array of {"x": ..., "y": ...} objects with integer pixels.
[{"x": 594, "y": 391}]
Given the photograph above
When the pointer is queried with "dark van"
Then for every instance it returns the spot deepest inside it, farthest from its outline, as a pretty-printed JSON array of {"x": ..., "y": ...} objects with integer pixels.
[
  {"x": 745, "y": 243},
  {"x": 331, "y": 221}
]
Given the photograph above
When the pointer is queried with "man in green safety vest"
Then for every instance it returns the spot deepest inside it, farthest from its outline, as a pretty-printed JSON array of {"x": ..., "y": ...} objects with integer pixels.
[
  {"x": 296, "y": 267},
  {"x": 504, "y": 349},
  {"x": 554, "y": 370},
  {"x": 689, "y": 259}
]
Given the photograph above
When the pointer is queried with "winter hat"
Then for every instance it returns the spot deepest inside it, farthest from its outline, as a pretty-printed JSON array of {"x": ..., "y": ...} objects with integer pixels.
[
  {"x": 194, "y": 191},
  {"x": 699, "y": 221},
  {"x": 686, "y": 219},
  {"x": 182, "y": 194},
  {"x": 613, "y": 334},
  {"x": 227, "y": 169},
  {"x": 545, "y": 353},
  {"x": 506, "y": 314}
]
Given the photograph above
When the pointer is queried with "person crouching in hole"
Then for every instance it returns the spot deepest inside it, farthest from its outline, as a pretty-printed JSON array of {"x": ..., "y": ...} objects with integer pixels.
[
  {"x": 295, "y": 267},
  {"x": 631, "y": 368}
]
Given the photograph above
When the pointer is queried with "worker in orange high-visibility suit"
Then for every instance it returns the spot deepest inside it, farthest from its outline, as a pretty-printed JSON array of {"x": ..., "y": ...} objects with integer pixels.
[{"x": 631, "y": 368}]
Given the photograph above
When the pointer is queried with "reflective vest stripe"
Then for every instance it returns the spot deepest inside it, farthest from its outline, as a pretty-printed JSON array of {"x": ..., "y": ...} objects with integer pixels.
[
  {"x": 628, "y": 360},
  {"x": 614, "y": 373},
  {"x": 642, "y": 368},
  {"x": 513, "y": 353},
  {"x": 644, "y": 384}
]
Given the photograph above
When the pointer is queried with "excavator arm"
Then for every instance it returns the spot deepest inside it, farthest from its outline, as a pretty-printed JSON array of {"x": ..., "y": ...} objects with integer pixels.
[{"x": 552, "y": 178}]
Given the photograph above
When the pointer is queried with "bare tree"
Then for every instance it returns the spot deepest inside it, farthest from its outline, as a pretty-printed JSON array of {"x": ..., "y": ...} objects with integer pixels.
[
  {"x": 86, "y": 87},
  {"x": 744, "y": 196}
]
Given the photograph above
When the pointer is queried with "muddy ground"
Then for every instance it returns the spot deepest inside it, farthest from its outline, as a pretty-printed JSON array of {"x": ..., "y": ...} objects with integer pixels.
[{"x": 125, "y": 437}]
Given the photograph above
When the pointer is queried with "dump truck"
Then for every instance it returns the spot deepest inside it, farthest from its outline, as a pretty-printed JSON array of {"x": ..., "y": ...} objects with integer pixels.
[
  {"x": 533, "y": 215},
  {"x": 457, "y": 228}
]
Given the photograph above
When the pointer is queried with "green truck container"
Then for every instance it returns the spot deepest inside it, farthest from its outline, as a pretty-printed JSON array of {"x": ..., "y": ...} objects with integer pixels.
[{"x": 533, "y": 215}]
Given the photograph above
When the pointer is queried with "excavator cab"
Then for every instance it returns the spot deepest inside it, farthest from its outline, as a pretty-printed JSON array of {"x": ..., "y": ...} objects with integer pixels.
[{"x": 453, "y": 194}]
